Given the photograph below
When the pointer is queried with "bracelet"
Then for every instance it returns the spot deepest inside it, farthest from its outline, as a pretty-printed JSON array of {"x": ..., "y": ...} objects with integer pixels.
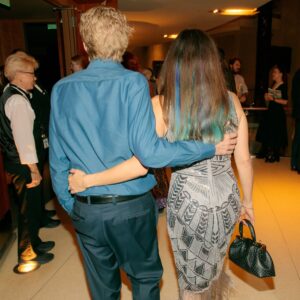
[{"x": 247, "y": 207}]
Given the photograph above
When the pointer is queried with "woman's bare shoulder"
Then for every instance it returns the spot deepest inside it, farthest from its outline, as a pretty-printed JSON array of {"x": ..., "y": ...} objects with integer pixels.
[
  {"x": 157, "y": 108},
  {"x": 237, "y": 104}
]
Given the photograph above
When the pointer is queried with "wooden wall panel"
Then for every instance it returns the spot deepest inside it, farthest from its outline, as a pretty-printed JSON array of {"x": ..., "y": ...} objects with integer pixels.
[{"x": 11, "y": 37}]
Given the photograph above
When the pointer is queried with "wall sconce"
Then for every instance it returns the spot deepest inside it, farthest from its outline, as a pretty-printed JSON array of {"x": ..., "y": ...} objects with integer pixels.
[
  {"x": 171, "y": 36},
  {"x": 235, "y": 11}
]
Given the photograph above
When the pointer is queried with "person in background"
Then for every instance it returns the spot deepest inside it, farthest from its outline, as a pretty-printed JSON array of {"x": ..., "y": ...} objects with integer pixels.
[
  {"x": 240, "y": 84},
  {"x": 148, "y": 73},
  {"x": 79, "y": 62},
  {"x": 100, "y": 117},
  {"x": 40, "y": 103},
  {"x": 203, "y": 202},
  {"x": 295, "y": 159},
  {"x": 20, "y": 142},
  {"x": 131, "y": 62},
  {"x": 272, "y": 133},
  {"x": 228, "y": 74}
]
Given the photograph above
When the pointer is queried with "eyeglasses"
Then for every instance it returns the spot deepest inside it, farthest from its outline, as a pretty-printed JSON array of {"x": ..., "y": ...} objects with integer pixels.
[{"x": 25, "y": 72}]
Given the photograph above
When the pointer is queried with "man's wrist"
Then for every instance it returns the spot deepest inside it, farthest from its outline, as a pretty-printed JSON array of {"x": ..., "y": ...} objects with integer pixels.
[{"x": 86, "y": 181}]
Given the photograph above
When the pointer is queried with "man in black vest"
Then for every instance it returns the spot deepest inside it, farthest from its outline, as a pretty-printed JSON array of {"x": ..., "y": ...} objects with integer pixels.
[
  {"x": 40, "y": 103},
  {"x": 22, "y": 147}
]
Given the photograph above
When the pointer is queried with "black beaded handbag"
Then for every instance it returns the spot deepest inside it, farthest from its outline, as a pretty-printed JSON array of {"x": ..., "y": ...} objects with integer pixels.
[{"x": 251, "y": 256}]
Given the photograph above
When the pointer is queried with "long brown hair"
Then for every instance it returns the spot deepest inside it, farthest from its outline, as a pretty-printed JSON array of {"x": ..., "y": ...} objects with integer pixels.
[{"x": 195, "y": 102}]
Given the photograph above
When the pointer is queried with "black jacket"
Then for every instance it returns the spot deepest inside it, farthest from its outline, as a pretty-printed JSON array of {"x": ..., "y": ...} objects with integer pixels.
[{"x": 296, "y": 95}]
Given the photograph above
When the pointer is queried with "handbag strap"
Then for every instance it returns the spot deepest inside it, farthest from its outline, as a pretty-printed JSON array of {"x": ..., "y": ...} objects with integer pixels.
[{"x": 251, "y": 228}]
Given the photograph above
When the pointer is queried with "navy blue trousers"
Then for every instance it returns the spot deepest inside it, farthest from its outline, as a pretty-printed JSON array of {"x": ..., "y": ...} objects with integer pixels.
[{"x": 119, "y": 235}]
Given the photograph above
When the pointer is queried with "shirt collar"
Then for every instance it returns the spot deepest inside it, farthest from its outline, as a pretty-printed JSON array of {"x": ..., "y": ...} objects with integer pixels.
[
  {"x": 23, "y": 92},
  {"x": 104, "y": 63}
]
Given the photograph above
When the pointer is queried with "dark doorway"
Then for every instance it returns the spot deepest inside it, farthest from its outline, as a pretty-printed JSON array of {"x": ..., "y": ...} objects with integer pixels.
[
  {"x": 281, "y": 56},
  {"x": 156, "y": 66},
  {"x": 41, "y": 42}
]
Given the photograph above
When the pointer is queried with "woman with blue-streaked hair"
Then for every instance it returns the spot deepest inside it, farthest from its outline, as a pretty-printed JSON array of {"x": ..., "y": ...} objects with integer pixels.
[{"x": 204, "y": 201}]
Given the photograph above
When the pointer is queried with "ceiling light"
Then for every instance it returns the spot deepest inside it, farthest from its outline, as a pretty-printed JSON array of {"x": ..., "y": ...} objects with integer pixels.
[
  {"x": 236, "y": 11},
  {"x": 171, "y": 36}
]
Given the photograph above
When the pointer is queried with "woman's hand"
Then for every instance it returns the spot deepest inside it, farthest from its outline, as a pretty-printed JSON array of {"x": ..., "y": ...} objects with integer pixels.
[
  {"x": 247, "y": 212},
  {"x": 76, "y": 181},
  {"x": 268, "y": 97}
]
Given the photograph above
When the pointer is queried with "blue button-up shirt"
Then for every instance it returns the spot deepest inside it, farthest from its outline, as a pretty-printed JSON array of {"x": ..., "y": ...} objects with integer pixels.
[{"x": 102, "y": 116}]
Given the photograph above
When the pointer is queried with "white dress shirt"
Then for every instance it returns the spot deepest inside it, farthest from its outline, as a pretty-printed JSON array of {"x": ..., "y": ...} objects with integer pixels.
[
  {"x": 21, "y": 115},
  {"x": 240, "y": 85}
]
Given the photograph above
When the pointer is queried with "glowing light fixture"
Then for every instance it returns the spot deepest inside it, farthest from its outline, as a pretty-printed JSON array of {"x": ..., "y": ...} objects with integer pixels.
[
  {"x": 171, "y": 36},
  {"x": 236, "y": 11}
]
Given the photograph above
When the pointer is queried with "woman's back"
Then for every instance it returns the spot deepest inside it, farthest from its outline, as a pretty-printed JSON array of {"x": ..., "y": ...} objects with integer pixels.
[{"x": 203, "y": 208}]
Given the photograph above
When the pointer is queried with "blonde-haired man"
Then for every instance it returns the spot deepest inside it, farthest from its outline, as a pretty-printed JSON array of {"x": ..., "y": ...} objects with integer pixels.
[
  {"x": 21, "y": 145},
  {"x": 101, "y": 117}
]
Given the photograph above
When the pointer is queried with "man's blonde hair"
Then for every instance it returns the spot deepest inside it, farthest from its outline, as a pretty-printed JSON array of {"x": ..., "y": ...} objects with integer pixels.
[
  {"x": 105, "y": 33},
  {"x": 18, "y": 62}
]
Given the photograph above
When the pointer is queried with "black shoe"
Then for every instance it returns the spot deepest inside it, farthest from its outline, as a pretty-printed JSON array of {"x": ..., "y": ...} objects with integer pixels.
[
  {"x": 260, "y": 155},
  {"x": 50, "y": 213},
  {"x": 43, "y": 258},
  {"x": 51, "y": 223},
  {"x": 272, "y": 158},
  {"x": 44, "y": 247}
]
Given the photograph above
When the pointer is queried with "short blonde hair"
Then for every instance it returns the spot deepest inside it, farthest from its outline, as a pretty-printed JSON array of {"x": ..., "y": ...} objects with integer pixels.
[
  {"x": 105, "y": 33},
  {"x": 18, "y": 62}
]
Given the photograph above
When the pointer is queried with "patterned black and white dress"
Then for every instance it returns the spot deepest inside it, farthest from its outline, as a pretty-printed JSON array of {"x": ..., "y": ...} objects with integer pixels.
[{"x": 203, "y": 208}]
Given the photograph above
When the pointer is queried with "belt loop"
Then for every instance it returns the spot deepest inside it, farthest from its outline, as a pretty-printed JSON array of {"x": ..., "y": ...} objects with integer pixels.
[
  {"x": 114, "y": 200},
  {"x": 89, "y": 200}
]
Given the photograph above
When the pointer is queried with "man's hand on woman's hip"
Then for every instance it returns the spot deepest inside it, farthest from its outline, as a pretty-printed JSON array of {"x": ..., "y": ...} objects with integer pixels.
[{"x": 227, "y": 145}]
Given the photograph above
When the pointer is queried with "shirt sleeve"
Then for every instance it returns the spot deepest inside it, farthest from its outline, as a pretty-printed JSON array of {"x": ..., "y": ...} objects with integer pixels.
[
  {"x": 284, "y": 93},
  {"x": 241, "y": 85},
  {"x": 245, "y": 88},
  {"x": 151, "y": 150},
  {"x": 21, "y": 115},
  {"x": 59, "y": 162}
]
